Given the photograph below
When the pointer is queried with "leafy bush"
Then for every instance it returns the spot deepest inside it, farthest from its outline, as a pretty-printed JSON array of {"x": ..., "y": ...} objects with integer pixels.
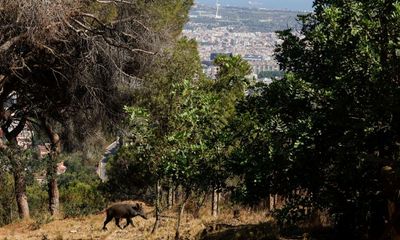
[
  {"x": 81, "y": 199},
  {"x": 7, "y": 199},
  {"x": 78, "y": 169},
  {"x": 79, "y": 192},
  {"x": 37, "y": 199}
]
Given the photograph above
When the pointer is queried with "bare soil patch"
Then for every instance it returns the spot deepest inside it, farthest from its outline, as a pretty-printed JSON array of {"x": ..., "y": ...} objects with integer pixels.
[{"x": 90, "y": 227}]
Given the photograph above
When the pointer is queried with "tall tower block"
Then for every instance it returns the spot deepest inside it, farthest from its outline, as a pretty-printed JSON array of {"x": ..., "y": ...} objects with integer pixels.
[{"x": 217, "y": 16}]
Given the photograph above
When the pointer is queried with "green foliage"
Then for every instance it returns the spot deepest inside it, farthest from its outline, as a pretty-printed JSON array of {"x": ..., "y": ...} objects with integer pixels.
[
  {"x": 133, "y": 169},
  {"x": 130, "y": 173},
  {"x": 38, "y": 200},
  {"x": 136, "y": 167},
  {"x": 123, "y": 36},
  {"x": 185, "y": 159},
  {"x": 197, "y": 144},
  {"x": 79, "y": 187},
  {"x": 168, "y": 14},
  {"x": 81, "y": 198},
  {"x": 176, "y": 64},
  {"x": 8, "y": 208},
  {"x": 231, "y": 75},
  {"x": 182, "y": 139},
  {"x": 77, "y": 170},
  {"x": 266, "y": 144},
  {"x": 297, "y": 209},
  {"x": 331, "y": 124}
]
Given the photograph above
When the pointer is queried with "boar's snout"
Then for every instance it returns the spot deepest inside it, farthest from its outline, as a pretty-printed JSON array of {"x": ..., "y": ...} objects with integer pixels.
[
  {"x": 143, "y": 216},
  {"x": 140, "y": 211}
]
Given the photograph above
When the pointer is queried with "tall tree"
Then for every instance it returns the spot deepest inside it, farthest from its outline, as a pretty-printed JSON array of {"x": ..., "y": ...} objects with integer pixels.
[
  {"x": 74, "y": 63},
  {"x": 333, "y": 120}
]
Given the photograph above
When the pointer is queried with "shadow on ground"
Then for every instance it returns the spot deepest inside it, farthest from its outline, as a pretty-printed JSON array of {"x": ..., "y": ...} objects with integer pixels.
[{"x": 264, "y": 231}]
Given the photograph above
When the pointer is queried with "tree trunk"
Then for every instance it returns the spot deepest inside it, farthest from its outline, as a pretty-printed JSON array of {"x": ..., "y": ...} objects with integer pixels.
[
  {"x": 53, "y": 192},
  {"x": 272, "y": 202},
  {"x": 18, "y": 168},
  {"x": 158, "y": 217},
  {"x": 170, "y": 197},
  {"x": 199, "y": 204},
  {"x": 173, "y": 192},
  {"x": 20, "y": 193},
  {"x": 178, "y": 196},
  {"x": 181, "y": 209},
  {"x": 215, "y": 203},
  {"x": 54, "y": 196},
  {"x": 392, "y": 229}
]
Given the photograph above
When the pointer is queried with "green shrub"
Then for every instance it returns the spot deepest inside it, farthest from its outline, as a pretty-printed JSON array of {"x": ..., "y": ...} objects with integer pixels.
[
  {"x": 8, "y": 208},
  {"x": 38, "y": 199},
  {"x": 79, "y": 193},
  {"x": 81, "y": 199}
]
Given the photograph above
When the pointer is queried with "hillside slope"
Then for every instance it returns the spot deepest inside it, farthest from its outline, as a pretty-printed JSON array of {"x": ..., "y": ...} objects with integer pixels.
[{"x": 90, "y": 227}]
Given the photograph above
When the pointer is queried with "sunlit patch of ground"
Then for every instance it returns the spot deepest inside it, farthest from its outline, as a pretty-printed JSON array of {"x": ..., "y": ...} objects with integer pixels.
[{"x": 90, "y": 227}]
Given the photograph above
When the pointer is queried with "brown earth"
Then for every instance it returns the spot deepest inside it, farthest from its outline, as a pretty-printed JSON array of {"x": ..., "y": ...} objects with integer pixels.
[{"x": 90, "y": 227}]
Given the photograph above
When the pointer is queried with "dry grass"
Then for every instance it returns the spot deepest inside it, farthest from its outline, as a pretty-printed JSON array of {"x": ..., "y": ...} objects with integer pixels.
[{"x": 90, "y": 227}]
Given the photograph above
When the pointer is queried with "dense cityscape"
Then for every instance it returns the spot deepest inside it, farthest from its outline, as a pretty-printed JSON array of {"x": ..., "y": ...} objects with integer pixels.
[{"x": 249, "y": 32}]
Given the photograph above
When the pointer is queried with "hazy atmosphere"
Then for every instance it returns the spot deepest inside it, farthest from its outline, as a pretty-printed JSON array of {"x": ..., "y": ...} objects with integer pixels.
[{"x": 296, "y": 5}]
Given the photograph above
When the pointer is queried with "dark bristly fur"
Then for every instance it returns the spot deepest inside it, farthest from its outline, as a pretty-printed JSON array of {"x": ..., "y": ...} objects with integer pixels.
[{"x": 122, "y": 210}]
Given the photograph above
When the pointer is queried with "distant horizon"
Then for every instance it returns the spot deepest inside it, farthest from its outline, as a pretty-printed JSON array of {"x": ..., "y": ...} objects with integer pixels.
[{"x": 293, "y": 5}]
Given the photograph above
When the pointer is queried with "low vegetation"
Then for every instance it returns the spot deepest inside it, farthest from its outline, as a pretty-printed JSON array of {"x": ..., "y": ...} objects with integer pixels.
[
  {"x": 316, "y": 149},
  {"x": 90, "y": 227}
]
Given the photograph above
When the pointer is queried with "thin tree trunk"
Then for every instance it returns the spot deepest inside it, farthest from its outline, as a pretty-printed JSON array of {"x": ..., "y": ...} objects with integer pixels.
[
  {"x": 170, "y": 197},
  {"x": 218, "y": 201},
  {"x": 18, "y": 169},
  {"x": 181, "y": 209},
  {"x": 214, "y": 203},
  {"x": 54, "y": 197},
  {"x": 158, "y": 217},
  {"x": 178, "y": 196},
  {"x": 271, "y": 202},
  {"x": 11, "y": 213},
  {"x": 20, "y": 193},
  {"x": 173, "y": 192},
  {"x": 53, "y": 192},
  {"x": 199, "y": 204}
]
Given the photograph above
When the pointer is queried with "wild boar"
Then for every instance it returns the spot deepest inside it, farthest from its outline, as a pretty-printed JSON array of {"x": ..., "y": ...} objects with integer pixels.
[{"x": 123, "y": 210}]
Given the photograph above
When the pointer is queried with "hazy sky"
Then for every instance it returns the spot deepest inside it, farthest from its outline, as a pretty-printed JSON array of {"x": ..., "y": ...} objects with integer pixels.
[{"x": 274, "y": 4}]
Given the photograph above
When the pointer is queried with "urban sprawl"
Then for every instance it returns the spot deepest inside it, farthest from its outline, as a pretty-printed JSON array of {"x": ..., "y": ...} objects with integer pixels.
[{"x": 249, "y": 32}]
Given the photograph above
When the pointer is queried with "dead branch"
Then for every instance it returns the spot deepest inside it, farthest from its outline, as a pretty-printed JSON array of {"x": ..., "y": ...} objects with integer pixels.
[
  {"x": 128, "y": 20},
  {"x": 7, "y": 45},
  {"x": 84, "y": 26},
  {"x": 95, "y": 18},
  {"x": 126, "y": 47},
  {"x": 114, "y": 1}
]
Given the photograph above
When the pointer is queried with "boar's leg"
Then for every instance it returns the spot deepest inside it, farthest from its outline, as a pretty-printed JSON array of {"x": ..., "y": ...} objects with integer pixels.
[
  {"x": 117, "y": 222},
  {"x": 129, "y": 221},
  {"x": 108, "y": 219}
]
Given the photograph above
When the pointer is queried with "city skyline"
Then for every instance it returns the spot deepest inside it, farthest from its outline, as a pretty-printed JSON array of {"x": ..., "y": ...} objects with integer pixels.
[{"x": 295, "y": 5}]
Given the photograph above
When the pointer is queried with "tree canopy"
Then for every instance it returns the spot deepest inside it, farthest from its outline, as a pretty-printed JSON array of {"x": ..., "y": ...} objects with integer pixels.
[
  {"x": 65, "y": 65},
  {"x": 330, "y": 126},
  {"x": 325, "y": 136}
]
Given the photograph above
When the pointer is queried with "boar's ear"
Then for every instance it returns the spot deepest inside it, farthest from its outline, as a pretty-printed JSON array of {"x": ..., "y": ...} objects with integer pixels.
[{"x": 137, "y": 206}]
